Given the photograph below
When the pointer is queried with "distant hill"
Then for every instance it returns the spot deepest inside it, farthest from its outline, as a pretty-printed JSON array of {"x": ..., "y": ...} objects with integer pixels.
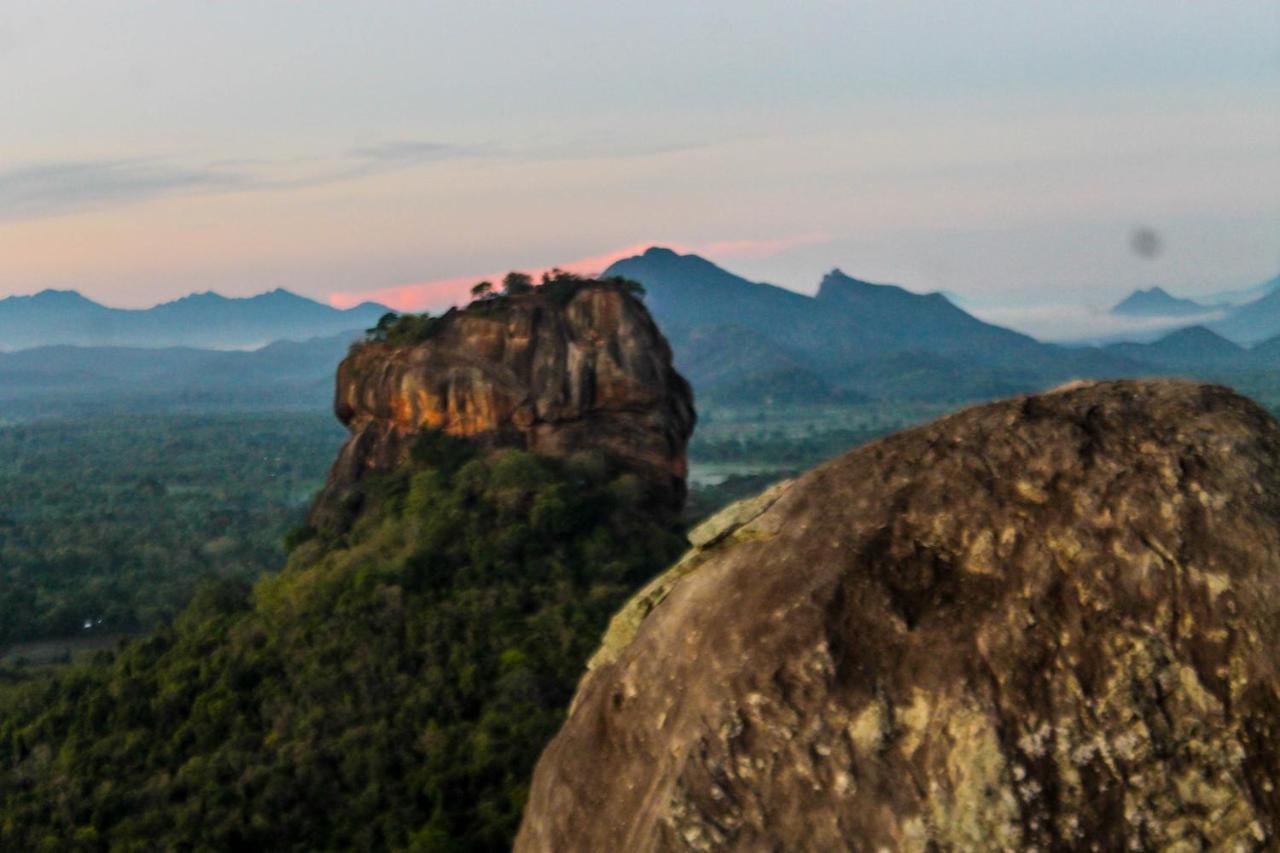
[
  {"x": 739, "y": 342},
  {"x": 730, "y": 365},
  {"x": 67, "y": 379},
  {"x": 689, "y": 292},
  {"x": 957, "y": 299},
  {"x": 1246, "y": 295},
  {"x": 1267, "y": 351},
  {"x": 1192, "y": 347},
  {"x": 853, "y": 336},
  {"x": 204, "y": 320},
  {"x": 1252, "y": 315},
  {"x": 685, "y": 292},
  {"x": 1157, "y": 302},
  {"x": 1253, "y": 322}
]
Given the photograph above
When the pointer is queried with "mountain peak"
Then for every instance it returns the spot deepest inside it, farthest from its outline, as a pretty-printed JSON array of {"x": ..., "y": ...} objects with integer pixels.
[
  {"x": 281, "y": 295},
  {"x": 1199, "y": 336},
  {"x": 1190, "y": 345},
  {"x": 659, "y": 262},
  {"x": 1155, "y": 301},
  {"x": 52, "y": 297},
  {"x": 1194, "y": 332},
  {"x": 839, "y": 276},
  {"x": 204, "y": 320},
  {"x": 201, "y": 298},
  {"x": 664, "y": 258},
  {"x": 837, "y": 283}
]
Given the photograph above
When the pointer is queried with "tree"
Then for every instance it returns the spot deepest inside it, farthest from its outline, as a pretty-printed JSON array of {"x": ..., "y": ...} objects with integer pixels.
[
  {"x": 555, "y": 274},
  {"x": 379, "y": 332},
  {"x": 482, "y": 290},
  {"x": 516, "y": 283}
]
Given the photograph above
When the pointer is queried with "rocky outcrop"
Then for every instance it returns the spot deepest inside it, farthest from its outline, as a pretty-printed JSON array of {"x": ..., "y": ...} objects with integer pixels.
[
  {"x": 1049, "y": 623},
  {"x": 555, "y": 374}
]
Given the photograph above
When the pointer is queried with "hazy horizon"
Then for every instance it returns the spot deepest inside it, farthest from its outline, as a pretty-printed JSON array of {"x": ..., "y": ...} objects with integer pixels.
[
  {"x": 1047, "y": 321},
  {"x": 1006, "y": 154}
]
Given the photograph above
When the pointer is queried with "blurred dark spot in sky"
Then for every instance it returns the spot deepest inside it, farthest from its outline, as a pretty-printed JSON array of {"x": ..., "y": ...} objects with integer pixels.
[{"x": 1145, "y": 242}]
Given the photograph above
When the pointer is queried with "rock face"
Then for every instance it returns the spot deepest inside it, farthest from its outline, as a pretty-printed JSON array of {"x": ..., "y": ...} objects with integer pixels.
[
  {"x": 556, "y": 376},
  {"x": 1050, "y": 623}
]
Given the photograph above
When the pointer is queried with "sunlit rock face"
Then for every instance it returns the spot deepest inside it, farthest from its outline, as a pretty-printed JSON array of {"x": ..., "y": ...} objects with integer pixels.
[
  {"x": 1049, "y": 623},
  {"x": 555, "y": 376}
]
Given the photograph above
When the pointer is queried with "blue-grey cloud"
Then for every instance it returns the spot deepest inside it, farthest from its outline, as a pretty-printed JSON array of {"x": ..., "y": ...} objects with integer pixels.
[
  {"x": 411, "y": 151},
  {"x": 39, "y": 190},
  {"x": 605, "y": 148},
  {"x": 42, "y": 190}
]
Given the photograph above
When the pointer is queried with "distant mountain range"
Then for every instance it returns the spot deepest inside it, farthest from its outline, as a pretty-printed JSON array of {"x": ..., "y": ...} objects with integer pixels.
[
  {"x": 1252, "y": 322},
  {"x": 1248, "y": 294},
  {"x": 739, "y": 342},
  {"x": 854, "y": 338},
  {"x": 203, "y": 320},
  {"x": 851, "y": 337},
  {"x": 54, "y": 380},
  {"x": 1246, "y": 316},
  {"x": 1192, "y": 348},
  {"x": 1157, "y": 302}
]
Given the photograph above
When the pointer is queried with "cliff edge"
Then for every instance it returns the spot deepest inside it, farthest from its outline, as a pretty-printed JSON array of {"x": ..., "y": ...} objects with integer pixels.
[
  {"x": 555, "y": 372},
  {"x": 1047, "y": 623}
]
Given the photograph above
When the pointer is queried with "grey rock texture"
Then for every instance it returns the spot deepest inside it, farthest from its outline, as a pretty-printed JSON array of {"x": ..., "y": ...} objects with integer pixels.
[
  {"x": 736, "y": 521},
  {"x": 1044, "y": 624},
  {"x": 590, "y": 373}
]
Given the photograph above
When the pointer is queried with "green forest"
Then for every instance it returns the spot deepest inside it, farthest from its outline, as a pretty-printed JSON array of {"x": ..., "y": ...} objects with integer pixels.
[
  {"x": 390, "y": 688},
  {"x": 113, "y": 521}
]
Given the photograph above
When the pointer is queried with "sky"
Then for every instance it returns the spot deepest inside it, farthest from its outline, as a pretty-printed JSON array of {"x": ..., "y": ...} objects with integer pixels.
[{"x": 1002, "y": 151}]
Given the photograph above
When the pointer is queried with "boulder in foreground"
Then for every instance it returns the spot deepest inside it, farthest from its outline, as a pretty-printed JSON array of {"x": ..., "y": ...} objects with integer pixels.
[{"x": 1046, "y": 623}]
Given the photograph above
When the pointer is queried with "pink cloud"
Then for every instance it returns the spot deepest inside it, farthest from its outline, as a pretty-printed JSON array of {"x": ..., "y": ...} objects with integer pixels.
[
  {"x": 758, "y": 248},
  {"x": 444, "y": 292},
  {"x": 412, "y": 297}
]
